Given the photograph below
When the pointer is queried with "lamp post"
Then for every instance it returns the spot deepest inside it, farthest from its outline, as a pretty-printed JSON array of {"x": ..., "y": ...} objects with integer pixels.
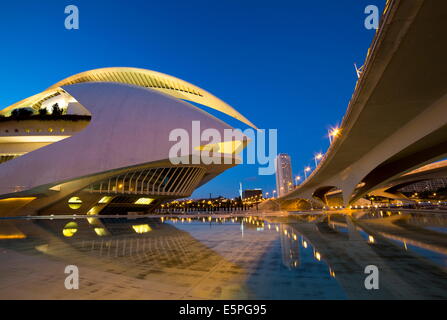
[
  {"x": 306, "y": 170},
  {"x": 333, "y": 134},
  {"x": 318, "y": 157},
  {"x": 274, "y": 192},
  {"x": 297, "y": 178}
]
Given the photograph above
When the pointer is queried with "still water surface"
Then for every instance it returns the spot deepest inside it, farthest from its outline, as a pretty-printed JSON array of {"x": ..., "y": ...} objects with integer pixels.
[{"x": 300, "y": 256}]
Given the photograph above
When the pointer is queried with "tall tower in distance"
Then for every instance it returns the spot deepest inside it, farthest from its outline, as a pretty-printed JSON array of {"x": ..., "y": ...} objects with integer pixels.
[{"x": 284, "y": 181}]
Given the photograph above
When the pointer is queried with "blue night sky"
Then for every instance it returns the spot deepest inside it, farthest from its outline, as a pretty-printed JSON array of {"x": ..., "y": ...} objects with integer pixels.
[{"x": 285, "y": 65}]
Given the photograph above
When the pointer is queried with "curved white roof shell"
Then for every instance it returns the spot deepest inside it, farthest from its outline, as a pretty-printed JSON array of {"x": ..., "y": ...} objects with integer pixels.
[
  {"x": 167, "y": 84},
  {"x": 158, "y": 81}
]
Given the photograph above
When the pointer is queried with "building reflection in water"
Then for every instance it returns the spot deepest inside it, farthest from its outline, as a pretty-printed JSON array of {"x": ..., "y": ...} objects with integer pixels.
[
  {"x": 206, "y": 257},
  {"x": 290, "y": 249},
  {"x": 348, "y": 245}
]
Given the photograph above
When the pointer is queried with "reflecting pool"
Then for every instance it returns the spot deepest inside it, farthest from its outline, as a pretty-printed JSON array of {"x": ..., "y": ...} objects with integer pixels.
[{"x": 299, "y": 256}]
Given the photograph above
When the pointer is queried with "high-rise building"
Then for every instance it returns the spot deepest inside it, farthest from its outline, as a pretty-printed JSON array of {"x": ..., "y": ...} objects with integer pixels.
[{"x": 284, "y": 181}]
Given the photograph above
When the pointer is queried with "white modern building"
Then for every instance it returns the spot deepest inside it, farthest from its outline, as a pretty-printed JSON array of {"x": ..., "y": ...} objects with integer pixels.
[
  {"x": 284, "y": 181},
  {"x": 106, "y": 147}
]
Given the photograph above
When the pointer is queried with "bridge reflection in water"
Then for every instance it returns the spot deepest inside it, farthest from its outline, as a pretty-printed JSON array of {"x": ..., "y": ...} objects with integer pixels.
[{"x": 307, "y": 256}]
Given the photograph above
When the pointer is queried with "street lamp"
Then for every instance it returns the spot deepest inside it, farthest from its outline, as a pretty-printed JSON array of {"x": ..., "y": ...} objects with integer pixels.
[
  {"x": 297, "y": 178},
  {"x": 318, "y": 156},
  {"x": 335, "y": 132},
  {"x": 274, "y": 192},
  {"x": 306, "y": 170}
]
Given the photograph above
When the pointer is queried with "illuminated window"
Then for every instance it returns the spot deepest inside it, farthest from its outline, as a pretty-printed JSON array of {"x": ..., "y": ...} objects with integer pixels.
[
  {"x": 93, "y": 220},
  {"x": 27, "y": 130},
  {"x": 227, "y": 147},
  {"x": 93, "y": 211},
  {"x": 70, "y": 229},
  {"x": 101, "y": 232},
  {"x": 141, "y": 228},
  {"x": 105, "y": 199},
  {"x": 144, "y": 201},
  {"x": 74, "y": 203},
  {"x": 50, "y": 129},
  {"x": 62, "y": 130},
  {"x": 12, "y": 236}
]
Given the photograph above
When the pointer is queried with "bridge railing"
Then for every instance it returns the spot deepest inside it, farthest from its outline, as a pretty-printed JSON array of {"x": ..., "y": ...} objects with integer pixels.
[{"x": 387, "y": 13}]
